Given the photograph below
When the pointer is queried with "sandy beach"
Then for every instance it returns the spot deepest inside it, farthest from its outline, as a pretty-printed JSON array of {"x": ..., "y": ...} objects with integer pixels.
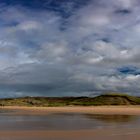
[
  {"x": 81, "y": 134},
  {"x": 107, "y": 134},
  {"x": 122, "y": 110}
]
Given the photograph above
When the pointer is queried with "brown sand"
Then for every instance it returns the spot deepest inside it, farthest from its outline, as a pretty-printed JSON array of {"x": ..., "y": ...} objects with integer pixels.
[
  {"x": 96, "y": 134},
  {"x": 108, "y": 134},
  {"x": 122, "y": 110}
]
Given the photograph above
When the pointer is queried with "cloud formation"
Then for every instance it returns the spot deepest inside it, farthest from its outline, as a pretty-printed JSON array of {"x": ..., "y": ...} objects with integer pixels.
[{"x": 69, "y": 48}]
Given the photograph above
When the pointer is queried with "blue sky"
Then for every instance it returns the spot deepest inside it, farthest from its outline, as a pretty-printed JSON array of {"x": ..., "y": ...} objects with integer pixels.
[{"x": 69, "y": 47}]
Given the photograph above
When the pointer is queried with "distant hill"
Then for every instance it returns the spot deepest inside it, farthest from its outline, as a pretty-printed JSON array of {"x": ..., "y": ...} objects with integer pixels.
[{"x": 105, "y": 99}]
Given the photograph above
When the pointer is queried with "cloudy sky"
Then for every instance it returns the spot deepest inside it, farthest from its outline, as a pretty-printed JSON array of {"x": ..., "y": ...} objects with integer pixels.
[{"x": 69, "y": 47}]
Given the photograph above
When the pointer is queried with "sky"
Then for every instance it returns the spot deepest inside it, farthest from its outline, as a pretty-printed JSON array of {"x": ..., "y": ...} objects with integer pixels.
[{"x": 69, "y": 47}]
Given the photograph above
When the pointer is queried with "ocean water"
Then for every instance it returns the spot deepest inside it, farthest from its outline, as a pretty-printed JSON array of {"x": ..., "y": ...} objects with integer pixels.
[{"x": 104, "y": 127}]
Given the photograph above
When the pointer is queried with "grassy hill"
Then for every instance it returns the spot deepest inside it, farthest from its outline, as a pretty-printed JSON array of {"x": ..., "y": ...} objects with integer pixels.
[{"x": 105, "y": 99}]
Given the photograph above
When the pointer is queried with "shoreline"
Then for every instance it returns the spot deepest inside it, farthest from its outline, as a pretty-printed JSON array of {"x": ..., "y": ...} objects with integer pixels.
[
  {"x": 107, "y": 110},
  {"x": 108, "y": 133}
]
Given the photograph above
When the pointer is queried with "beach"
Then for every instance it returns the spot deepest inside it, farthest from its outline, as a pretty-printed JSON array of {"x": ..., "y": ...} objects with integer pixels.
[
  {"x": 70, "y": 123},
  {"x": 107, "y": 134},
  {"x": 123, "y": 110}
]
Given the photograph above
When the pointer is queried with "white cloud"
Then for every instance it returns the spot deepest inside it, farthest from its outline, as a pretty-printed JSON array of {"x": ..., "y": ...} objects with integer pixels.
[
  {"x": 126, "y": 3},
  {"x": 29, "y": 25},
  {"x": 133, "y": 77},
  {"x": 76, "y": 55}
]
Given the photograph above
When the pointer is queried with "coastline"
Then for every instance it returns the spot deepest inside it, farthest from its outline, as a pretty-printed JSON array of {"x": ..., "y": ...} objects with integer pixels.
[
  {"x": 77, "y": 134},
  {"x": 122, "y": 110}
]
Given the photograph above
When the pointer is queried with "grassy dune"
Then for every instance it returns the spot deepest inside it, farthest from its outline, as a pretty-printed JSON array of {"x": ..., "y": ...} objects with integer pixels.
[{"x": 105, "y": 99}]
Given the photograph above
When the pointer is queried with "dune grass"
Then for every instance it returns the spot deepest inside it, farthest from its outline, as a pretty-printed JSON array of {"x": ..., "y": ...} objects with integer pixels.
[{"x": 105, "y": 99}]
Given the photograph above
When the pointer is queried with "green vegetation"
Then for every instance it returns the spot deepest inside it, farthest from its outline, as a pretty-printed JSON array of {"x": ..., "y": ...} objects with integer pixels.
[{"x": 105, "y": 99}]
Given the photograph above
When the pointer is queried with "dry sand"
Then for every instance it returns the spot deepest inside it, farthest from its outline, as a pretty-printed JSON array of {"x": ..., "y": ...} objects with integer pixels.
[{"x": 122, "y": 110}]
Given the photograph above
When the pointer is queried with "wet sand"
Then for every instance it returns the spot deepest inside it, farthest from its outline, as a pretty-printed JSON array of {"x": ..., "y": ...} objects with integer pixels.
[
  {"x": 122, "y": 110},
  {"x": 121, "y": 133},
  {"x": 108, "y": 134}
]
